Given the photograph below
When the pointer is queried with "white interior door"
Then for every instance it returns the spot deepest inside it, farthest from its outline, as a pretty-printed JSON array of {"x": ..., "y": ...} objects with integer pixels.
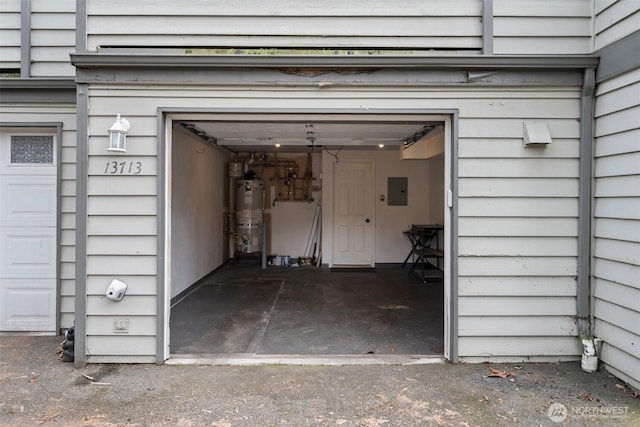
[
  {"x": 353, "y": 215},
  {"x": 27, "y": 232}
]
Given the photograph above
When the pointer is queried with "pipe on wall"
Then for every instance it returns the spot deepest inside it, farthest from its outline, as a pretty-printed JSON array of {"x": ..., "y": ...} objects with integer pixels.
[{"x": 583, "y": 292}]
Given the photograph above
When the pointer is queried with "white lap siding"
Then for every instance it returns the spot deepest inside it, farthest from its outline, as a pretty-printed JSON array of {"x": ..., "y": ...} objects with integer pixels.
[
  {"x": 53, "y": 37},
  {"x": 454, "y": 24},
  {"x": 542, "y": 26},
  {"x": 519, "y": 27},
  {"x": 10, "y": 35},
  {"x": 614, "y": 20},
  {"x": 617, "y": 224},
  {"x": 518, "y": 210},
  {"x": 616, "y": 287}
]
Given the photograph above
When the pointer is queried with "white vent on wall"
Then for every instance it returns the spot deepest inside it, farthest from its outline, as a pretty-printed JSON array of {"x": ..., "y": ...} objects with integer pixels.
[{"x": 536, "y": 134}]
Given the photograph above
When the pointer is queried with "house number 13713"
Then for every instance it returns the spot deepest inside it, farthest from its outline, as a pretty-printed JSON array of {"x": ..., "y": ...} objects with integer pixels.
[{"x": 123, "y": 168}]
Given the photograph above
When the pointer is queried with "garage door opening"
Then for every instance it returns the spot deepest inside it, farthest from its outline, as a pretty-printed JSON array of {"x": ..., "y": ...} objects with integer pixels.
[{"x": 296, "y": 234}]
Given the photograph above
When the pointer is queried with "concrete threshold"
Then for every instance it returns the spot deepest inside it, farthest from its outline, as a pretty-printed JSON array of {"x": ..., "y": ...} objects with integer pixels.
[
  {"x": 27, "y": 334},
  {"x": 310, "y": 360}
]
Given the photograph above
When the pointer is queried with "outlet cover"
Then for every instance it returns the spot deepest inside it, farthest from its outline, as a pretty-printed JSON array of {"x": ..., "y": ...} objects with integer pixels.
[{"x": 121, "y": 325}]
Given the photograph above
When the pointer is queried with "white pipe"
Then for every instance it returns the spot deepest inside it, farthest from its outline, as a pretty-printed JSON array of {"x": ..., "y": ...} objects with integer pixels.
[
  {"x": 319, "y": 255},
  {"x": 589, "y": 356},
  {"x": 232, "y": 217},
  {"x": 263, "y": 258},
  {"x": 312, "y": 232},
  {"x": 248, "y": 162}
]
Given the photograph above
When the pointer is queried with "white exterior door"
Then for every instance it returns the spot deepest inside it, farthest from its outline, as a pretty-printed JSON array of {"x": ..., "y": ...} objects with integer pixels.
[
  {"x": 28, "y": 201},
  {"x": 353, "y": 214}
]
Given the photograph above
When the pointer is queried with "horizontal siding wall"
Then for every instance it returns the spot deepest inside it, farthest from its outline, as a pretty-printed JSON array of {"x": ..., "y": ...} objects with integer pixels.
[
  {"x": 10, "y": 34},
  {"x": 53, "y": 37},
  {"x": 411, "y": 24},
  {"x": 542, "y": 27},
  {"x": 518, "y": 210},
  {"x": 519, "y": 27},
  {"x": 617, "y": 224},
  {"x": 614, "y": 20},
  {"x": 66, "y": 114}
]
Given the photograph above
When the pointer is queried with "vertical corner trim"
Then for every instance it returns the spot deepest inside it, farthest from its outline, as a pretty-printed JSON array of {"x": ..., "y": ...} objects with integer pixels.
[
  {"x": 82, "y": 154},
  {"x": 58, "y": 224},
  {"x": 453, "y": 326},
  {"x": 487, "y": 27},
  {"x": 81, "y": 25},
  {"x": 161, "y": 321},
  {"x": 25, "y": 39}
]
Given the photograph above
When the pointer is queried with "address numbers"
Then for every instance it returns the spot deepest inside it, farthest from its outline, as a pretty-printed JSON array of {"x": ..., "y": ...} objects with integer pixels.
[{"x": 123, "y": 168}]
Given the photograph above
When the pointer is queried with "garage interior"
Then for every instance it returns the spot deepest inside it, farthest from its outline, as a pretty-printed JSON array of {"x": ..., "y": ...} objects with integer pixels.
[{"x": 249, "y": 273}]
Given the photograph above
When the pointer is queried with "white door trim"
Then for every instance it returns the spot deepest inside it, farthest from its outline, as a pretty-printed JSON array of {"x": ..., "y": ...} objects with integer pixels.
[
  {"x": 450, "y": 295},
  {"x": 449, "y": 116}
]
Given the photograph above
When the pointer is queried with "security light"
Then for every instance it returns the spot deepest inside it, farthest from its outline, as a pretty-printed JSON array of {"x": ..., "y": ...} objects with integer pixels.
[{"x": 118, "y": 135}]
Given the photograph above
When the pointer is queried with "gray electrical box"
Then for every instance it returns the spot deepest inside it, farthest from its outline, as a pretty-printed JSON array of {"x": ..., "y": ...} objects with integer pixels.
[{"x": 397, "y": 191}]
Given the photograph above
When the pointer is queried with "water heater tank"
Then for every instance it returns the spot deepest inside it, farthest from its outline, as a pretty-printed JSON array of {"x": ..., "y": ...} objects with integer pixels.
[{"x": 249, "y": 202}]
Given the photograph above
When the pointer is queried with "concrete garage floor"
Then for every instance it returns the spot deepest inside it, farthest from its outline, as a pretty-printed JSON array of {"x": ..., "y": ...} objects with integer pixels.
[{"x": 242, "y": 309}]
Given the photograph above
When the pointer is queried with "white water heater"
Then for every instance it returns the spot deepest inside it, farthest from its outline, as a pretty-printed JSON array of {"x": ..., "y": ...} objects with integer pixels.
[{"x": 249, "y": 202}]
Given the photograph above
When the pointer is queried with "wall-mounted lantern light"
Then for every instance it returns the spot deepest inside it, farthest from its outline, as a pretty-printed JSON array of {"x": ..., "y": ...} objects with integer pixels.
[{"x": 118, "y": 135}]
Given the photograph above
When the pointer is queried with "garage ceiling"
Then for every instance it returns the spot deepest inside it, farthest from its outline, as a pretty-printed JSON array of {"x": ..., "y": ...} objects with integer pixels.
[{"x": 303, "y": 135}]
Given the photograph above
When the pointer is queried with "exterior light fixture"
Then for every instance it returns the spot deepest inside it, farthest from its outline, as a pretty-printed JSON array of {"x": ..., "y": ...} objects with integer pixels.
[
  {"x": 277, "y": 145},
  {"x": 381, "y": 145},
  {"x": 118, "y": 135}
]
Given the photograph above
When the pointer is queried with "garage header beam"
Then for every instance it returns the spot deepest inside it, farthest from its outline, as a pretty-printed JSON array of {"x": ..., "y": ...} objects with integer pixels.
[{"x": 468, "y": 62}]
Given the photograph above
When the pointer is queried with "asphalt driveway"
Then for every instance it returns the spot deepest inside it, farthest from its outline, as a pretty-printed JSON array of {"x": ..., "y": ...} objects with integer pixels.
[{"x": 38, "y": 389}]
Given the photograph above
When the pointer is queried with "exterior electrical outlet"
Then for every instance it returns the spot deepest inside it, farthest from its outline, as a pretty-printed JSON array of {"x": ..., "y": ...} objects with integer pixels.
[{"x": 121, "y": 325}]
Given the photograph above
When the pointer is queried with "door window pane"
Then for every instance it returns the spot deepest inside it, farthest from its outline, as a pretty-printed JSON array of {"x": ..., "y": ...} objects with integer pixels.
[{"x": 32, "y": 149}]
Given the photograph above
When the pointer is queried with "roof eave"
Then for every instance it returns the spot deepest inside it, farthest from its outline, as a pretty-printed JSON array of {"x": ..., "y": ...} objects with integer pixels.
[{"x": 62, "y": 83}]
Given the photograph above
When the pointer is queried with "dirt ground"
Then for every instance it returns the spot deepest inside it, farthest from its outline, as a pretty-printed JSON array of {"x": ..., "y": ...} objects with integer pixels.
[{"x": 38, "y": 389}]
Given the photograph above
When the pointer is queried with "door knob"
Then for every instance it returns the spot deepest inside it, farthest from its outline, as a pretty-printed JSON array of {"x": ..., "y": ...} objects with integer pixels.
[{"x": 367, "y": 220}]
